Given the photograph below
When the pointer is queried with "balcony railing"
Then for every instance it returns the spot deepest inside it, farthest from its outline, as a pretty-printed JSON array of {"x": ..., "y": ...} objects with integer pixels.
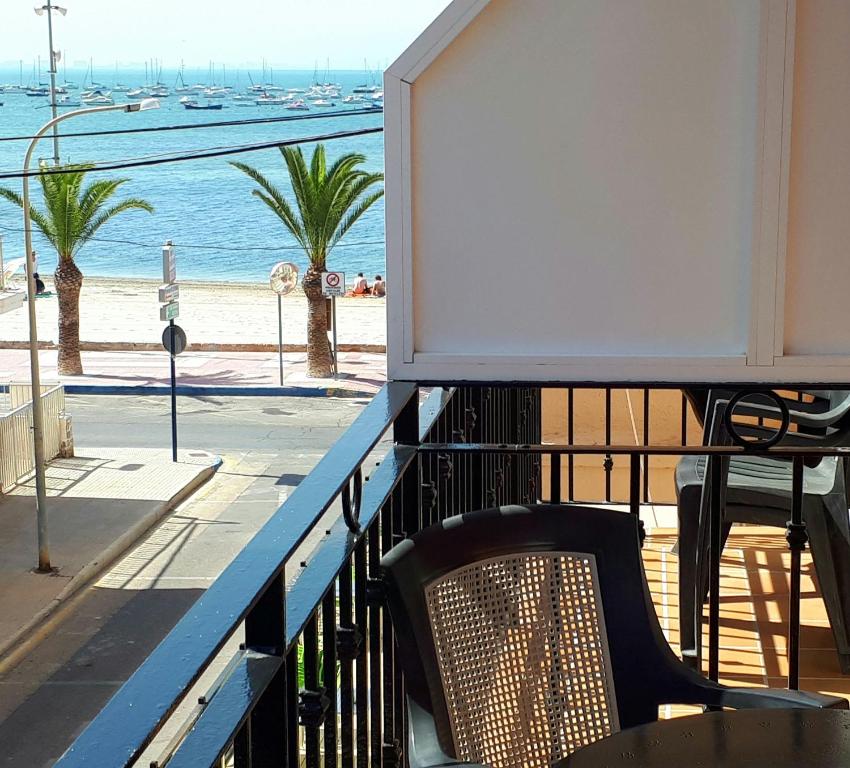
[{"x": 291, "y": 646}]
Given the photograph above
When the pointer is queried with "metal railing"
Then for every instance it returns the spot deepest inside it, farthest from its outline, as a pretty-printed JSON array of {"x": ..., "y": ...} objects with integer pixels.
[
  {"x": 315, "y": 680},
  {"x": 16, "y": 452}
]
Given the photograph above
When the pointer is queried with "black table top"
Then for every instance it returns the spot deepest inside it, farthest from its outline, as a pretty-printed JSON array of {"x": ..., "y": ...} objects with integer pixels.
[{"x": 754, "y": 738}]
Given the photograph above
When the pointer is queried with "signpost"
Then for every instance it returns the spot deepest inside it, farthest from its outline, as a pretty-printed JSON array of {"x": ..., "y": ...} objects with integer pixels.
[
  {"x": 283, "y": 278},
  {"x": 173, "y": 337},
  {"x": 333, "y": 285}
]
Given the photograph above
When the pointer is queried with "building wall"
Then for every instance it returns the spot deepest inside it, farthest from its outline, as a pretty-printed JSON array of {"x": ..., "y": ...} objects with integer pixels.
[
  {"x": 632, "y": 190},
  {"x": 817, "y": 312}
]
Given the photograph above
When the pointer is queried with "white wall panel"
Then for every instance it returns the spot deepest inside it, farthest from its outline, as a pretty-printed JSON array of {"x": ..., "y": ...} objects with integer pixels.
[{"x": 583, "y": 180}]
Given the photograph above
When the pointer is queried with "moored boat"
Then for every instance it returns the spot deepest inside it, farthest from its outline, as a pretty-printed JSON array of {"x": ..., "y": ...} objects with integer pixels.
[{"x": 191, "y": 104}]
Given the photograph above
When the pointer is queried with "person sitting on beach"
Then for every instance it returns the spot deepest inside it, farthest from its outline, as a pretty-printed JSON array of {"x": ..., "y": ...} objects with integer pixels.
[
  {"x": 361, "y": 286},
  {"x": 39, "y": 284},
  {"x": 379, "y": 287}
]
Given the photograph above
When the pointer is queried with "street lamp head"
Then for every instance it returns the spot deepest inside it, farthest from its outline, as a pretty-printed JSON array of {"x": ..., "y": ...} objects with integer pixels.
[
  {"x": 138, "y": 106},
  {"x": 40, "y": 11}
]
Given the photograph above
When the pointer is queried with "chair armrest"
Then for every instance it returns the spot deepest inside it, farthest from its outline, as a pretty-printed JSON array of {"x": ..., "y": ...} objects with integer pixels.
[
  {"x": 686, "y": 686},
  {"x": 776, "y": 698},
  {"x": 798, "y": 412}
]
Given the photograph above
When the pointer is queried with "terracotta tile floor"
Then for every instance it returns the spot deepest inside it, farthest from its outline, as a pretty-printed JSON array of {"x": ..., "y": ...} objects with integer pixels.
[{"x": 753, "y": 611}]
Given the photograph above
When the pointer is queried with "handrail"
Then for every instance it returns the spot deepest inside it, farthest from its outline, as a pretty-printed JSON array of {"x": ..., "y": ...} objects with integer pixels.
[
  {"x": 641, "y": 450},
  {"x": 133, "y": 716}
]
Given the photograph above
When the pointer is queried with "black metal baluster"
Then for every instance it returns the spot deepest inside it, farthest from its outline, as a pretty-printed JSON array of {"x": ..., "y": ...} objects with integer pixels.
[
  {"x": 634, "y": 484},
  {"x": 399, "y": 730},
  {"x": 374, "y": 563},
  {"x": 571, "y": 495},
  {"x": 716, "y": 538},
  {"x": 608, "y": 464},
  {"x": 263, "y": 743},
  {"x": 329, "y": 675},
  {"x": 311, "y": 696},
  {"x": 646, "y": 458},
  {"x": 555, "y": 478},
  {"x": 361, "y": 682},
  {"x": 796, "y": 537},
  {"x": 392, "y": 732},
  {"x": 291, "y": 722},
  {"x": 476, "y": 467},
  {"x": 347, "y": 637}
]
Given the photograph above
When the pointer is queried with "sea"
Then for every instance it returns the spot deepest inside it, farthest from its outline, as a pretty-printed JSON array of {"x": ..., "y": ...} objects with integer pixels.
[{"x": 220, "y": 231}]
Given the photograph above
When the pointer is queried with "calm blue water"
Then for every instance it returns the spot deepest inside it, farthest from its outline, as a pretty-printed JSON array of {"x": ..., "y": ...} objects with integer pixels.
[{"x": 220, "y": 231}]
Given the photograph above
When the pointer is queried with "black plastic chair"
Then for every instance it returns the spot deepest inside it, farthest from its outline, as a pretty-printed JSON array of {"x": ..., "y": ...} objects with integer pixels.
[
  {"x": 525, "y": 633},
  {"x": 757, "y": 490}
]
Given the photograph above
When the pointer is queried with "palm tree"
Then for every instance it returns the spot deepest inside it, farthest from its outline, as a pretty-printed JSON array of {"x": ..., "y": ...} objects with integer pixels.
[
  {"x": 70, "y": 218},
  {"x": 328, "y": 201}
]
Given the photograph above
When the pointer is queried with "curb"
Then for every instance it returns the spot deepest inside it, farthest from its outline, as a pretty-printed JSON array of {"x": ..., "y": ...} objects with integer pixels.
[
  {"x": 203, "y": 390},
  {"x": 34, "y": 631}
]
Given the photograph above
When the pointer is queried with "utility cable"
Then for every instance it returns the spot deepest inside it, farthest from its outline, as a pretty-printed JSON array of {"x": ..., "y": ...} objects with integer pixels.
[
  {"x": 196, "y": 154},
  {"x": 211, "y": 247},
  {"x": 216, "y": 124}
]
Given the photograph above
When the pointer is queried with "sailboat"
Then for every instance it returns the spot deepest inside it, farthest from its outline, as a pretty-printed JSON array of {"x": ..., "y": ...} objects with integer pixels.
[{"x": 182, "y": 87}]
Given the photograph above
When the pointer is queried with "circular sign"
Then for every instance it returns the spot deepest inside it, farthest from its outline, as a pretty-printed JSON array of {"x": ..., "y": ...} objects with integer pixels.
[
  {"x": 283, "y": 277},
  {"x": 332, "y": 279},
  {"x": 176, "y": 333}
]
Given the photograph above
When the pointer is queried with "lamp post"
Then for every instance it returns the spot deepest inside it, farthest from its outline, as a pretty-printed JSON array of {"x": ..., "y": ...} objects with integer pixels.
[
  {"x": 37, "y": 420},
  {"x": 52, "y": 71}
]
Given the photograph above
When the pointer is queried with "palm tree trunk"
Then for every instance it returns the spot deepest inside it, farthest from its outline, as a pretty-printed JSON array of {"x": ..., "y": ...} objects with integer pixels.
[
  {"x": 69, "y": 281},
  {"x": 318, "y": 350}
]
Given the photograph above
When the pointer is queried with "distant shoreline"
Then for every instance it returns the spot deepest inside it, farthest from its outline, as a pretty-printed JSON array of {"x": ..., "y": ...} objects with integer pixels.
[{"x": 143, "y": 283}]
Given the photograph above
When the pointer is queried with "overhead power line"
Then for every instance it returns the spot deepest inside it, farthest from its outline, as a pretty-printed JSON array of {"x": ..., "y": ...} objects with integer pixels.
[
  {"x": 216, "y": 124},
  {"x": 211, "y": 246},
  {"x": 196, "y": 154}
]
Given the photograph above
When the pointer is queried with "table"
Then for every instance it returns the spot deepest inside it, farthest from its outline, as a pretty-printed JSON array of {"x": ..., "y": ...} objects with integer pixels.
[{"x": 753, "y": 738}]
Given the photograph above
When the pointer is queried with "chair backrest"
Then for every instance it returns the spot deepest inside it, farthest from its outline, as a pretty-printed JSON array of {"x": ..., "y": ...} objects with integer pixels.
[{"x": 527, "y": 632}]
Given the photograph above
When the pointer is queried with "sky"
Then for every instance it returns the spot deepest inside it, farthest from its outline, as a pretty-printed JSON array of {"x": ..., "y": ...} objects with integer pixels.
[{"x": 289, "y": 34}]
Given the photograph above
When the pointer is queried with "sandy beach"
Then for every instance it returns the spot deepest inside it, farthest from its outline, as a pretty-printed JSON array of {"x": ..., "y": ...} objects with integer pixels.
[{"x": 124, "y": 313}]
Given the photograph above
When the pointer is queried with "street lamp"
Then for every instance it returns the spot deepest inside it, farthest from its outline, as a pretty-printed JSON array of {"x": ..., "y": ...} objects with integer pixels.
[
  {"x": 37, "y": 420},
  {"x": 52, "y": 71}
]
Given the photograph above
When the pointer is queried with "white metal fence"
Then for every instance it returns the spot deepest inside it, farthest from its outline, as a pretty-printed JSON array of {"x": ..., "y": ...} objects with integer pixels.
[{"x": 16, "y": 454}]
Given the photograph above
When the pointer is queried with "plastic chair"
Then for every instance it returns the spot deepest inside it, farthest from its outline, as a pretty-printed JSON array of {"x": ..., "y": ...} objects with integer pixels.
[
  {"x": 525, "y": 633},
  {"x": 757, "y": 490}
]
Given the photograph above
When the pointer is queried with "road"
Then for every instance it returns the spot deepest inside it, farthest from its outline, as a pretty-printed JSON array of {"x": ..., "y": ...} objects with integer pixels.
[
  {"x": 217, "y": 424},
  {"x": 268, "y": 446}
]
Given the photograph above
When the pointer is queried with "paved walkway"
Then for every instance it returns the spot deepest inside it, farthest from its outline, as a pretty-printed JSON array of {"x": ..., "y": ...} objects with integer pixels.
[
  {"x": 359, "y": 372},
  {"x": 98, "y": 504}
]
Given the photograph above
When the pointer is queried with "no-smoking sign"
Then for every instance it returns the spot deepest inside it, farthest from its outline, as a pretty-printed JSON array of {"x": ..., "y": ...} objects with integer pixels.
[{"x": 333, "y": 283}]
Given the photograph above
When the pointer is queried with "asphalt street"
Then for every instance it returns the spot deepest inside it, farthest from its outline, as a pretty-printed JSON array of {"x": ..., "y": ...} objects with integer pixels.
[
  {"x": 216, "y": 424},
  {"x": 268, "y": 446}
]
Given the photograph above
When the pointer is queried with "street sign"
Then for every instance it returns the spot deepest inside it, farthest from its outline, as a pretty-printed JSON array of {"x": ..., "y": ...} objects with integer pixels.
[
  {"x": 169, "y": 293},
  {"x": 169, "y": 311},
  {"x": 179, "y": 339},
  {"x": 169, "y": 266},
  {"x": 283, "y": 278},
  {"x": 333, "y": 283}
]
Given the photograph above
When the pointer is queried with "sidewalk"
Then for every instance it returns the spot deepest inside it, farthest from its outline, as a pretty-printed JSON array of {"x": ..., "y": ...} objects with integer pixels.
[
  {"x": 232, "y": 373},
  {"x": 99, "y": 503}
]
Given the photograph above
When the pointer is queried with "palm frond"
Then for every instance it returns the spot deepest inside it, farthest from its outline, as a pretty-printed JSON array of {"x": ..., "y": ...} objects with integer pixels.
[
  {"x": 96, "y": 194},
  {"x": 302, "y": 187},
  {"x": 130, "y": 204},
  {"x": 355, "y": 214},
  {"x": 275, "y": 200},
  {"x": 42, "y": 222}
]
